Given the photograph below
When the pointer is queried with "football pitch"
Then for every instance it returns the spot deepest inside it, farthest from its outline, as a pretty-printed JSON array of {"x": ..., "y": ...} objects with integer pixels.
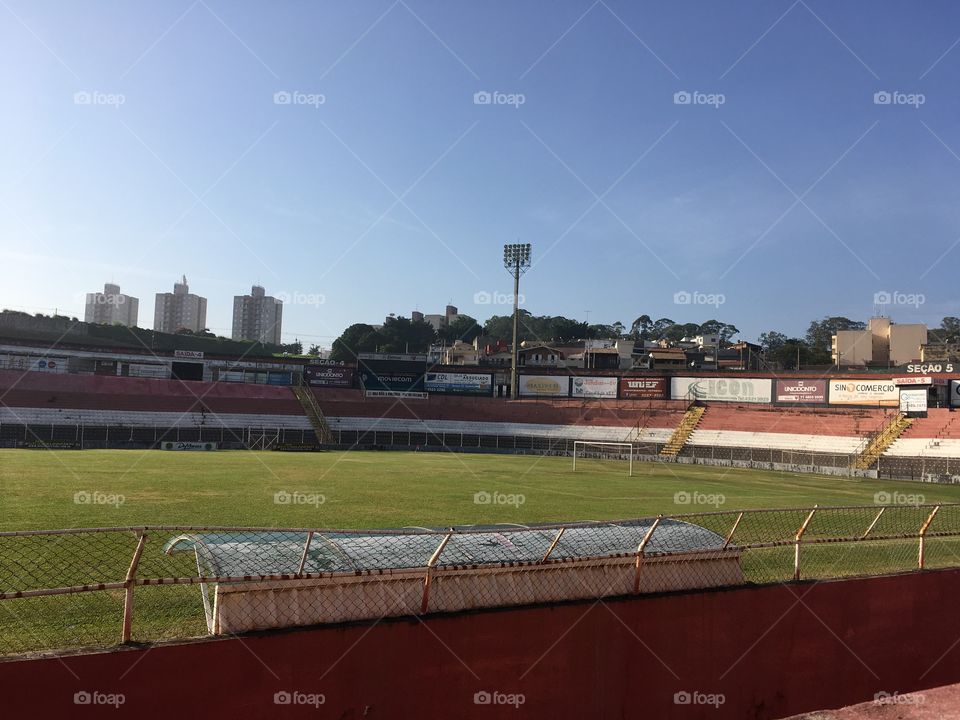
[{"x": 46, "y": 489}]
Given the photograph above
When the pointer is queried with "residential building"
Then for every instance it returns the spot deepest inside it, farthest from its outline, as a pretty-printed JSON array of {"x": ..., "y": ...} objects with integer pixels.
[
  {"x": 439, "y": 322},
  {"x": 111, "y": 307},
  {"x": 461, "y": 353},
  {"x": 180, "y": 310},
  {"x": 883, "y": 344},
  {"x": 257, "y": 316}
]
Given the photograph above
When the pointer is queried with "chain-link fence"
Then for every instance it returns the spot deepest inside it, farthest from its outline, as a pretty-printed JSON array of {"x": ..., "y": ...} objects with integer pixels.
[{"x": 62, "y": 589}]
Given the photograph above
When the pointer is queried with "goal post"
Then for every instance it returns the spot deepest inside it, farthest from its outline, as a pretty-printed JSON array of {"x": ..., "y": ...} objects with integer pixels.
[{"x": 593, "y": 447}]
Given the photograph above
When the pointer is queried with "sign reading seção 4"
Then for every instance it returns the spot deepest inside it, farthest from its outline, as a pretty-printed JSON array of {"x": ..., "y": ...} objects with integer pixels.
[{"x": 745, "y": 390}]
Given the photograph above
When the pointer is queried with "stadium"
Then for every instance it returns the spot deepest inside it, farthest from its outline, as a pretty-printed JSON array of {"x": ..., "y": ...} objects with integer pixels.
[{"x": 403, "y": 504}]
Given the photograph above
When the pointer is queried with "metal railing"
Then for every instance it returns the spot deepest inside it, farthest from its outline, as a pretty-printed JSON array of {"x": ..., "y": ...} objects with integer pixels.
[{"x": 97, "y": 587}]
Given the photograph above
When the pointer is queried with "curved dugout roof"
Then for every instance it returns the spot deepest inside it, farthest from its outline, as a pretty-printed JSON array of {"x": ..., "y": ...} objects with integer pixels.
[{"x": 236, "y": 554}]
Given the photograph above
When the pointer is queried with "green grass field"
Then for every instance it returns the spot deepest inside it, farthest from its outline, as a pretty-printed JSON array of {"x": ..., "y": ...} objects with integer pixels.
[
  {"x": 41, "y": 490},
  {"x": 381, "y": 489}
]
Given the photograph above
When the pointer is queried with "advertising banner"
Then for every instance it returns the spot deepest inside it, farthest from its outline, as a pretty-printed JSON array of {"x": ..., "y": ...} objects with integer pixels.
[
  {"x": 955, "y": 393},
  {"x": 913, "y": 380},
  {"x": 545, "y": 385},
  {"x": 189, "y": 354},
  {"x": 595, "y": 387},
  {"x": 328, "y": 376},
  {"x": 913, "y": 401},
  {"x": 743, "y": 390},
  {"x": 459, "y": 383},
  {"x": 635, "y": 388},
  {"x": 878, "y": 393},
  {"x": 802, "y": 391},
  {"x": 386, "y": 374}
]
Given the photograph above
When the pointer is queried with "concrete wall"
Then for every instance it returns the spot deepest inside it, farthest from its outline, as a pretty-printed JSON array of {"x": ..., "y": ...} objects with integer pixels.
[{"x": 769, "y": 651}]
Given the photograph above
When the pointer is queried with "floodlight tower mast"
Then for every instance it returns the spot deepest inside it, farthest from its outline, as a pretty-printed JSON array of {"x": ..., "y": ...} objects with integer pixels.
[{"x": 516, "y": 259}]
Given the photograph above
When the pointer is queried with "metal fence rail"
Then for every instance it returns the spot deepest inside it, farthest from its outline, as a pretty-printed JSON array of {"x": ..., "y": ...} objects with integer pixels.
[{"x": 97, "y": 587}]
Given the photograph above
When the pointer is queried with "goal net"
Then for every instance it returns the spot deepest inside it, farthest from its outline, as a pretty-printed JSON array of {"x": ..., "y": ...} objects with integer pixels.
[{"x": 622, "y": 451}]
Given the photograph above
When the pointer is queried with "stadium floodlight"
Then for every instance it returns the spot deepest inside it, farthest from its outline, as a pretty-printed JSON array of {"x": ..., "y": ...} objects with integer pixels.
[
  {"x": 604, "y": 450},
  {"x": 516, "y": 259}
]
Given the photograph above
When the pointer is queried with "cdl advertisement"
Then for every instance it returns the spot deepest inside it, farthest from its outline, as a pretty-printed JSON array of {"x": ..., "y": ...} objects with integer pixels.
[
  {"x": 643, "y": 388},
  {"x": 328, "y": 376},
  {"x": 802, "y": 391},
  {"x": 878, "y": 393},
  {"x": 545, "y": 385},
  {"x": 745, "y": 390},
  {"x": 594, "y": 387},
  {"x": 459, "y": 383}
]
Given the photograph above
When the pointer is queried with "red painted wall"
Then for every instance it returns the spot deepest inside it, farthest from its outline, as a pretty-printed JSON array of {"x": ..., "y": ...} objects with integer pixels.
[{"x": 771, "y": 651}]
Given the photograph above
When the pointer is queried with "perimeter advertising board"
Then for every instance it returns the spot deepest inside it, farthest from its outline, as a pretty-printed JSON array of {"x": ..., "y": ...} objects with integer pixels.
[
  {"x": 545, "y": 385},
  {"x": 913, "y": 401},
  {"x": 802, "y": 391},
  {"x": 634, "y": 388},
  {"x": 328, "y": 376},
  {"x": 382, "y": 373},
  {"x": 876, "y": 393},
  {"x": 955, "y": 393},
  {"x": 594, "y": 387},
  {"x": 741, "y": 390},
  {"x": 459, "y": 383}
]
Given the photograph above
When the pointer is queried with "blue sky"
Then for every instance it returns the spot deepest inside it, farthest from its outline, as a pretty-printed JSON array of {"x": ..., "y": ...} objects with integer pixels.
[{"x": 783, "y": 189}]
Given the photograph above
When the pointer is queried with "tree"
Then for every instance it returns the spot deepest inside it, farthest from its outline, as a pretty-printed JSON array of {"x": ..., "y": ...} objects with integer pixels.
[
  {"x": 400, "y": 335},
  {"x": 357, "y": 338},
  {"x": 771, "y": 341},
  {"x": 640, "y": 328},
  {"x": 786, "y": 354},
  {"x": 463, "y": 328},
  {"x": 949, "y": 330},
  {"x": 658, "y": 328},
  {"x": 820, "y": 332},
  {"x": 294, "y": 348},
  {"x": 314, "y": 350}
]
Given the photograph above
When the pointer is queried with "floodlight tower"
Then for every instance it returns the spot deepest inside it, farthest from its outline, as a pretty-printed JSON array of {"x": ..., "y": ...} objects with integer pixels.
[{"x": 516, "y": 259}]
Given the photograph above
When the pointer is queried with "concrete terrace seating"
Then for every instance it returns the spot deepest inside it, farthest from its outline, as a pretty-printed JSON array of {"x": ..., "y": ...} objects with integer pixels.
[
  {"x": 776, "y": 440},
  {"x": 439, "y": 427},
  {"x": 93, "y": 392},
  {"x": 128, "y": 418},
  {"x": 797, "y": 421}
]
